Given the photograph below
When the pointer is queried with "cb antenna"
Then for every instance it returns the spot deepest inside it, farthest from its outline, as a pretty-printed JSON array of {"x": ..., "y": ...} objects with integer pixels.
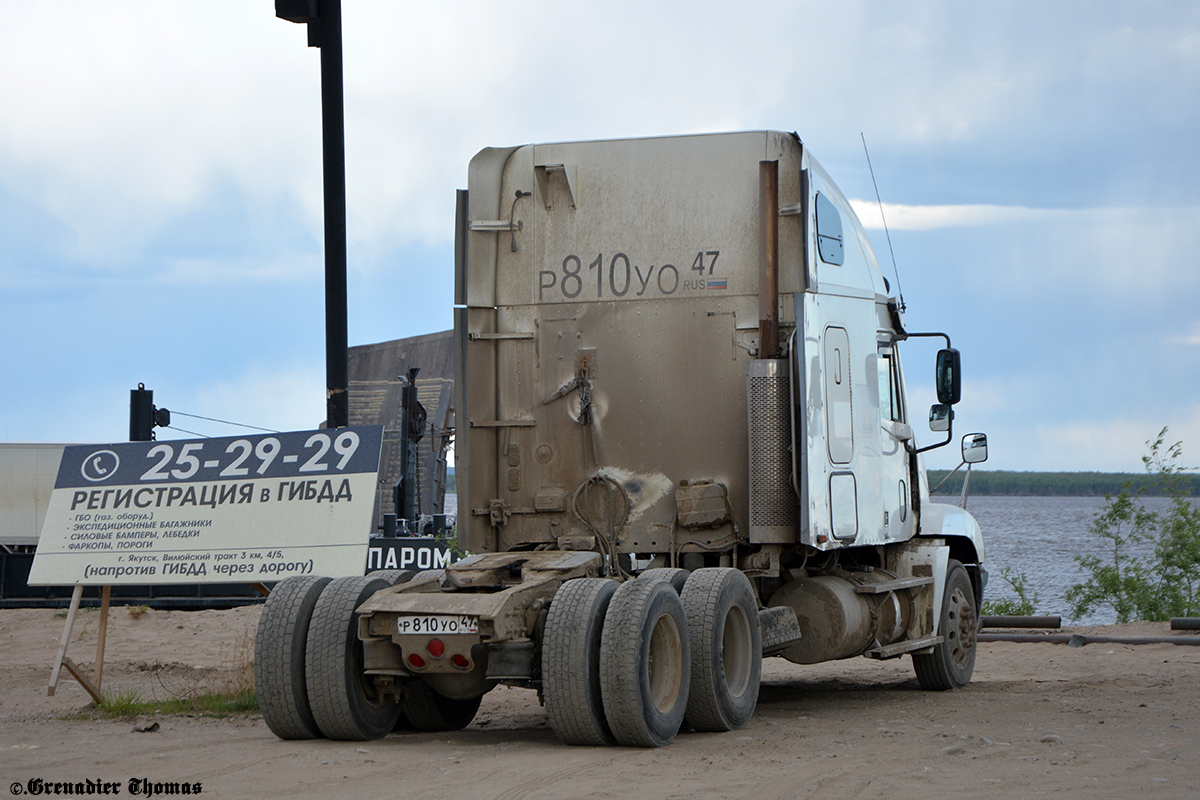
[{"x": 895, "y": 269}]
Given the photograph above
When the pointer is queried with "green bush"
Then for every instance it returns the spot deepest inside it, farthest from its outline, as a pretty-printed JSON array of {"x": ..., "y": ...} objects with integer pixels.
[
  {"x": 1158, "y": 586},
  {"x": 1022, "y": 606}
]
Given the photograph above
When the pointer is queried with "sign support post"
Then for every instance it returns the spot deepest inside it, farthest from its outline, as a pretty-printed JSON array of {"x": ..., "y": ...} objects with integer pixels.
[
  {"x": 62, "y": 660},
  {"x": 102, "y": 634}
]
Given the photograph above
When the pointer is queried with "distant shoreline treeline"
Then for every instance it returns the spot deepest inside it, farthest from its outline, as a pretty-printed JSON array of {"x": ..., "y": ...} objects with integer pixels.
[
  {"x": 1001, "y": 482},
  {"x": 1048, "y": 484},
  {"x": 1051, "y": 484}
]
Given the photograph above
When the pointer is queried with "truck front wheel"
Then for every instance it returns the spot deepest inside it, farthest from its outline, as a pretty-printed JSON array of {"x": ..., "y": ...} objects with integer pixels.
[
  {"x": 645, "y": 660},
  {"x": 952, "y": 661},
  {"x": 726, "y": 667}
]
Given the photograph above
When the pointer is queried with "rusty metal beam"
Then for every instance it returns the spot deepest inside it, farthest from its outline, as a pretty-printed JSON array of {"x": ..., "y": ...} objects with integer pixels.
[{"x": 768, "y": 275}]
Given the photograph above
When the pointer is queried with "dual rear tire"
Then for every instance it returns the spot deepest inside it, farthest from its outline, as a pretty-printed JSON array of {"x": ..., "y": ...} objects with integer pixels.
[
  {"x": 722, "y": 613},
  {"x": 308, "y": 668},
  {"x": 345, "y": 702},
  {"x": 627, "y": 663},
  {"x": 279, "y": 646}
]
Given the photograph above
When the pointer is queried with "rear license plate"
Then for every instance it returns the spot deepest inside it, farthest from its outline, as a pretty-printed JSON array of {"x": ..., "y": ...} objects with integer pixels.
[{"x": 437, "y": 624}]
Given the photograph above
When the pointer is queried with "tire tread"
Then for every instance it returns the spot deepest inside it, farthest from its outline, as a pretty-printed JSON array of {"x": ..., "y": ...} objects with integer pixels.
[
  {"x": 331, "y": 670},
  {"x": 279, "y": 657},
  {"x": 621, "y": 647},
  {"x": 933, "y": 670},
  {"x": 571, "y": 661},
  {"x": 709, "y": 707}
]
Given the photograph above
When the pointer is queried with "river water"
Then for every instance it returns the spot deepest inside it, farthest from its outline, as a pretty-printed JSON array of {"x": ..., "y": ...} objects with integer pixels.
[
  {"x": 1040, "y": 537},
  {"x": 1035, "y": 536}
]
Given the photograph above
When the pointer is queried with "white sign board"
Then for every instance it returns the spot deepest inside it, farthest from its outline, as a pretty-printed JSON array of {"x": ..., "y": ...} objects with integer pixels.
[{"x": 231, "y": 510}]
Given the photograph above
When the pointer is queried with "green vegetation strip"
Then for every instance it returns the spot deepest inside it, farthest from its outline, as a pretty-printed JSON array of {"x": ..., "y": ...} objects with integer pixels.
[
  {"x": 1053, "y": 484},
  {"x": 213, "y": 704}
]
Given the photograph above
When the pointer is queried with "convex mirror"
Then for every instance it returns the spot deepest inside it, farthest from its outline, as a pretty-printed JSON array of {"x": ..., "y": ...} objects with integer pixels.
[
  {"x": 974, "y": 448},
  {"x": 939, "y": 417}
]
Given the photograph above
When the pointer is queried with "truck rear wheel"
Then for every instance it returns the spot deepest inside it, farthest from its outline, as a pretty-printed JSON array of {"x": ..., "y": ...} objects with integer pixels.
[
  {"x": 952, "y": 661},
  {"x": 279, "y": 657},
  {"x": 673, "y": 575},
  {"x": 726, "y": 665},
  {"x": 428, "y": 710},
  {"x": 571, "y": 661},
  {"x": 393, "y": 576},
  {"x": 345, "y": 702},
  {"x": 645, "y": 659}
]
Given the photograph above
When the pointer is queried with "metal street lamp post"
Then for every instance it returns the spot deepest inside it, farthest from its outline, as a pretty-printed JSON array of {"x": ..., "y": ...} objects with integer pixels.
[{"x": 324, "y": 20}]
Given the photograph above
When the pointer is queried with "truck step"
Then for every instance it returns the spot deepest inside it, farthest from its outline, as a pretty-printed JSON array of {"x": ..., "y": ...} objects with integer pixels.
[
  {"x": 893, "y": 586},
  {"x": 900, "y": 648}
]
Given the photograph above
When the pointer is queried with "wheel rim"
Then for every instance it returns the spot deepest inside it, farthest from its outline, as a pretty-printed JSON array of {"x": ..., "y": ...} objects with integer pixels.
[
  {"x": 960, "y": 630},
  {"x": 665, "y": 663},
  {"x": 736, "y": 645}
]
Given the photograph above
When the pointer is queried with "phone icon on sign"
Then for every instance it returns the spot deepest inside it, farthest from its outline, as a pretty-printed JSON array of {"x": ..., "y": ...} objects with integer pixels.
[{"x": 100, "y": 465}]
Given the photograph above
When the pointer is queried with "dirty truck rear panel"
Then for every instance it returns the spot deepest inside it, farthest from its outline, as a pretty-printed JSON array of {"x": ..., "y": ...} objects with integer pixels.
[{"x": 611, "y": 294}]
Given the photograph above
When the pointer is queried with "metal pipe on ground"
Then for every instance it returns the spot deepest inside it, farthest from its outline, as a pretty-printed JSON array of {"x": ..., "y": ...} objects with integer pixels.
[
  {"x": 1185, "y": 623},
  {"x": 1079, "y": 639},
  {"x": 1010, "y": 621}
]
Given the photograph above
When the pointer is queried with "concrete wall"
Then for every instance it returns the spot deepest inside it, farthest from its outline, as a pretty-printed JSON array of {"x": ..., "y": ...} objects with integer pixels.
[{"x": 27, "y": 474}]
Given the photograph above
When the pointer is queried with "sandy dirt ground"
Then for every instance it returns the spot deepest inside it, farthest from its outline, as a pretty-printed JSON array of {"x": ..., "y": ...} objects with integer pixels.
[{"x": 1038, "y": 720}]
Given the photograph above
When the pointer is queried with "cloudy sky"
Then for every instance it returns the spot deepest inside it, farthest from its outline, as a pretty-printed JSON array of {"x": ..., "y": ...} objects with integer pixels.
[{"x": 160, "y": 194}]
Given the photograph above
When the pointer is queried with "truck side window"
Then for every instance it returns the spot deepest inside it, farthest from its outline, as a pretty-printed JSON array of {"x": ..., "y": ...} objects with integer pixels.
[
  {"x": 829, "y": 232},
  {"x": 889, "y": 387}
]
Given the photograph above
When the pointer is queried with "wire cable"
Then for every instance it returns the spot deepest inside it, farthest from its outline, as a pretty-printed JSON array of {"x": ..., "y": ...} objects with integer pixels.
[
  {"x": 223, "y": 422},
  {"x": 189, "y": 433},
  {"x": 895, "y": 269}
]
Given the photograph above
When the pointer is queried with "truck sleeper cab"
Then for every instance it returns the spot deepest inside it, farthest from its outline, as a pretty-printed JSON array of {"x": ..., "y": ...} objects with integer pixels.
[{"x": 683, "y": 444}]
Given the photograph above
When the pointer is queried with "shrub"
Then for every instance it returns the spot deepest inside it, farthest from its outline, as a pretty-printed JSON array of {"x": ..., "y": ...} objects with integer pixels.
[
  {"x": 1154, "y": 586},
  {"x": 1022, "y": 606}
]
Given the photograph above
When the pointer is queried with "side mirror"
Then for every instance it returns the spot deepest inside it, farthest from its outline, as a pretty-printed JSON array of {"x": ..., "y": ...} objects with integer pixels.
[
  {"x": 948, "y": 377},
  {"x": 939, "y": 417},
  {"x": 974, "y": 448}
]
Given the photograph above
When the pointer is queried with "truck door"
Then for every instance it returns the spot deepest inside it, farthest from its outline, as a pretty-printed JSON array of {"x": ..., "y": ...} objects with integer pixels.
[
  {"x": 895, "y": 436},
  {"x": 844, "y": 453}
]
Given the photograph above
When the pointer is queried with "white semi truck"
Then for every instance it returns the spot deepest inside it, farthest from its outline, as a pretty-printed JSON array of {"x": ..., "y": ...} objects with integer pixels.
[{"x": 684, "y": 445}]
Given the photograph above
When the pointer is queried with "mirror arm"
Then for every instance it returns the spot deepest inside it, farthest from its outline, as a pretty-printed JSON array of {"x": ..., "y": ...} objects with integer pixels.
[
  {"x": 949, "y": 475},
  {"x": 949, "y": 438},
  {"x": 950, "y": 430},
  {"x": 945, "y": 336}
]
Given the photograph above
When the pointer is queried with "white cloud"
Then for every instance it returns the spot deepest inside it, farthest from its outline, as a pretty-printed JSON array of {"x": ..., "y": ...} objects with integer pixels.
[
  {"x": 127, "y": 114},
  {"x": 927, "y": 218},
  {"x": 1192, "y": 339},
  {"x": 1112, "y": 445},
  {"x": 229, "y": 271},
  {"x": 1118, "y": 253},
  {"x": 287, "y": 398}
]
